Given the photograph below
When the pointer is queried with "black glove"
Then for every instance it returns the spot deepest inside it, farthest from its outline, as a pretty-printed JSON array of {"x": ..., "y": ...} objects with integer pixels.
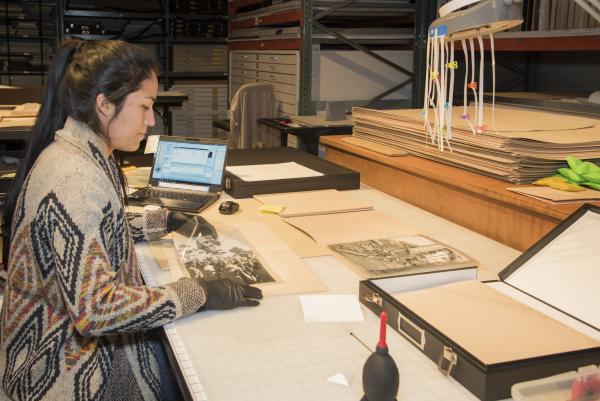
[
  {"x": 189, "y": 225},
  {"x": 226, "y": 294}
]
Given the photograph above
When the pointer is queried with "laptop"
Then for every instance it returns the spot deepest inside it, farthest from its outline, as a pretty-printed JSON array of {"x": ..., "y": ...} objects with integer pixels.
[{"x": 187, "y": 174}]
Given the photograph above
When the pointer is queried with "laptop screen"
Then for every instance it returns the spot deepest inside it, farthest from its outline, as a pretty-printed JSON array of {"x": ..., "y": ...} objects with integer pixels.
[{"x": 189, "y": 161}]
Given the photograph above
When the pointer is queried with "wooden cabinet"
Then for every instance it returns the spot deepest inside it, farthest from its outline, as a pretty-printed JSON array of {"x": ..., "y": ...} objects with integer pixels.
[{"x": 474, "y": 201}]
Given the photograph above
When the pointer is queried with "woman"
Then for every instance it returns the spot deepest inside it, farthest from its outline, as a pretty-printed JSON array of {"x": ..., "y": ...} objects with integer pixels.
[{"x": 76, "y": 316}]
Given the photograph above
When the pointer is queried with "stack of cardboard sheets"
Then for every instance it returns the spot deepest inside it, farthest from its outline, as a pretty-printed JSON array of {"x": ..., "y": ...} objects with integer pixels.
[
  {"x": 206, "y": 58},
  {"x": 518, "y": 145}
]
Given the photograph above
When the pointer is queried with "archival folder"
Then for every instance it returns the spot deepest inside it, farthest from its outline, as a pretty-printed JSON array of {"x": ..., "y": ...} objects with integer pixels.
[
  {"x": 334, "y": 176},
  {"x": 540, "y": 319}
]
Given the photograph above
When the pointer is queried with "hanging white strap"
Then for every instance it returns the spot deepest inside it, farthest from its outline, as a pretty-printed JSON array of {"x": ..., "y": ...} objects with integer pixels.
[
  {"x": 465, "y": 114},
  {"x": 472, "y": 49},
  {"x": 431, "y": 68},
  {"x": 442, "y": 94},
  {"x": 450, "y": 94},
  {"x": 426, "y": 95},
  {"x": 480, "y": 126},
  {"x": 438, "y": 89},
  {"x": 493, "y": 83},
  {"x": 431, "y": 90}
]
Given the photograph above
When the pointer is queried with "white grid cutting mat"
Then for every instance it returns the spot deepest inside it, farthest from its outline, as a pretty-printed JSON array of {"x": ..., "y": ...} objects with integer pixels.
[{"x": 271, "y": 353}]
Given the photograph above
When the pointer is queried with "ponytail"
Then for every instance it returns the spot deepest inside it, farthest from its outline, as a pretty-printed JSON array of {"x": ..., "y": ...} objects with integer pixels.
[
  {"x": 80, "y": 71},
  {"x": 51, "y": 117}
]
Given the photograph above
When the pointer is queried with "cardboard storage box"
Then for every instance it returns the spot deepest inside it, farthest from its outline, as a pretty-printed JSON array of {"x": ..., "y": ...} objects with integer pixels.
[
  {"x": 541, "y": 318},
  {"x": 334, "y": 176}
]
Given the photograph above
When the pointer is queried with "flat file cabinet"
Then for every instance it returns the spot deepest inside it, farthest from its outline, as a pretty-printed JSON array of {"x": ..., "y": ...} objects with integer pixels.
[{"x": 280, "y": 68}]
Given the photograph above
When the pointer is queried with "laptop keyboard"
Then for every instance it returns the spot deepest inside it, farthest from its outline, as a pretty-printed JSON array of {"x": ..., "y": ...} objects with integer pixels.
[{"x": 184, "y": 196}]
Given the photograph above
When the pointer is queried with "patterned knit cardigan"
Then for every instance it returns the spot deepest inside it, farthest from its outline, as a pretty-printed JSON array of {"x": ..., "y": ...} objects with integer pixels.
[{"x": 75, "y": 309}]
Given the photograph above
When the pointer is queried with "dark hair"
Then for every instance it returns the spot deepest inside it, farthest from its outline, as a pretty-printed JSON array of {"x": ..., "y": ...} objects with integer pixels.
[{"x": 79, "y": 73}]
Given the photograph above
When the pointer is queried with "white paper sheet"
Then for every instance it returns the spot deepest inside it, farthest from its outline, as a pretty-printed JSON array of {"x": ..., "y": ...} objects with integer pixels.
[
  {"x": 565, "y": 272},
  {"x": 343, "y": 379},
  {"x": 331, "y": 308},
  {"x": 151, "y": 144},
  {"x": 275, "y": 171}
]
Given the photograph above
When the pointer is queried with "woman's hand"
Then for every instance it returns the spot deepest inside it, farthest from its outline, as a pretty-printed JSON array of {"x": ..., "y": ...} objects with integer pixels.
[{"x": 225, "y": 294}]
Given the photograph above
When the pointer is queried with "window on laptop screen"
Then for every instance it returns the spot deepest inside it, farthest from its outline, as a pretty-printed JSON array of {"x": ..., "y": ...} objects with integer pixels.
[{"x": 189, "y": 162}]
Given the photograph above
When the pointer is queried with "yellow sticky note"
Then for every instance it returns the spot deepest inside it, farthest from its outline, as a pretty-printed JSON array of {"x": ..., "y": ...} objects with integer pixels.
[
  {"x": 128, "y": 169},
  {"x": 271, "y": 209}
]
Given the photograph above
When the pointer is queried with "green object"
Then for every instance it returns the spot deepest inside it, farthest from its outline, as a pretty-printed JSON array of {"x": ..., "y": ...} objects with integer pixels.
[
  {"x": 571, "y": 175},
  {"x": 573, "y": 162},
  {"x": 594, "y": 177},
  {"x": 587, "y": 170},
  {"x": 593, "y": 185},
  {"x": 582, "y": 173}
]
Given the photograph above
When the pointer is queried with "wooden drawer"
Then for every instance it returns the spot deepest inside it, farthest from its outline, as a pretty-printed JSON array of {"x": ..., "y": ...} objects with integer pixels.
[
  {"x": 241, "y": 57},
  {"x": 279, "y": 78},
  {"x": 245, "y": 65},
  {"x": 286, "y": 97},
  {"x": 278, "y": 58},
  {"x": 237, "y": 72},
  {"x": 277, "y": 68}
]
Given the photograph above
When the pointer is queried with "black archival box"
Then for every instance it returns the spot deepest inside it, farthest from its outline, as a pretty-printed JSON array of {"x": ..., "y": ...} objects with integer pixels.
[
  {"x": 540, "y": 319},
  {"x": 334, "y": 176}
]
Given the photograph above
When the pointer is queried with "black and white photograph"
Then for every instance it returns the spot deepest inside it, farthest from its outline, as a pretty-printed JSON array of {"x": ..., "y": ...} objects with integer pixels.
[
  {"x": 385, "y": 256},
  {"x": 209, "y": 258}
]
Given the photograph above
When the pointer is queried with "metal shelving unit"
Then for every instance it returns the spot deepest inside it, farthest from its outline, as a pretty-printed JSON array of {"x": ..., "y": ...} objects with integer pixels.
[
  {"x": 112, "y": 14},
  {"x": 321, "y": 24},
  {"x": 425, "y": 13},
  {"x": 164, "y": 40},
  {"x": 570, "y": 40},
  {"x": 196, "y": 40},
  {"x": 187, "y": 38},
  {"x": 522, "y": 56},
  {"x": 305, "y": 106},
  {"x": 28, "y": 38},
  {"x": 196, "y": 75}
]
